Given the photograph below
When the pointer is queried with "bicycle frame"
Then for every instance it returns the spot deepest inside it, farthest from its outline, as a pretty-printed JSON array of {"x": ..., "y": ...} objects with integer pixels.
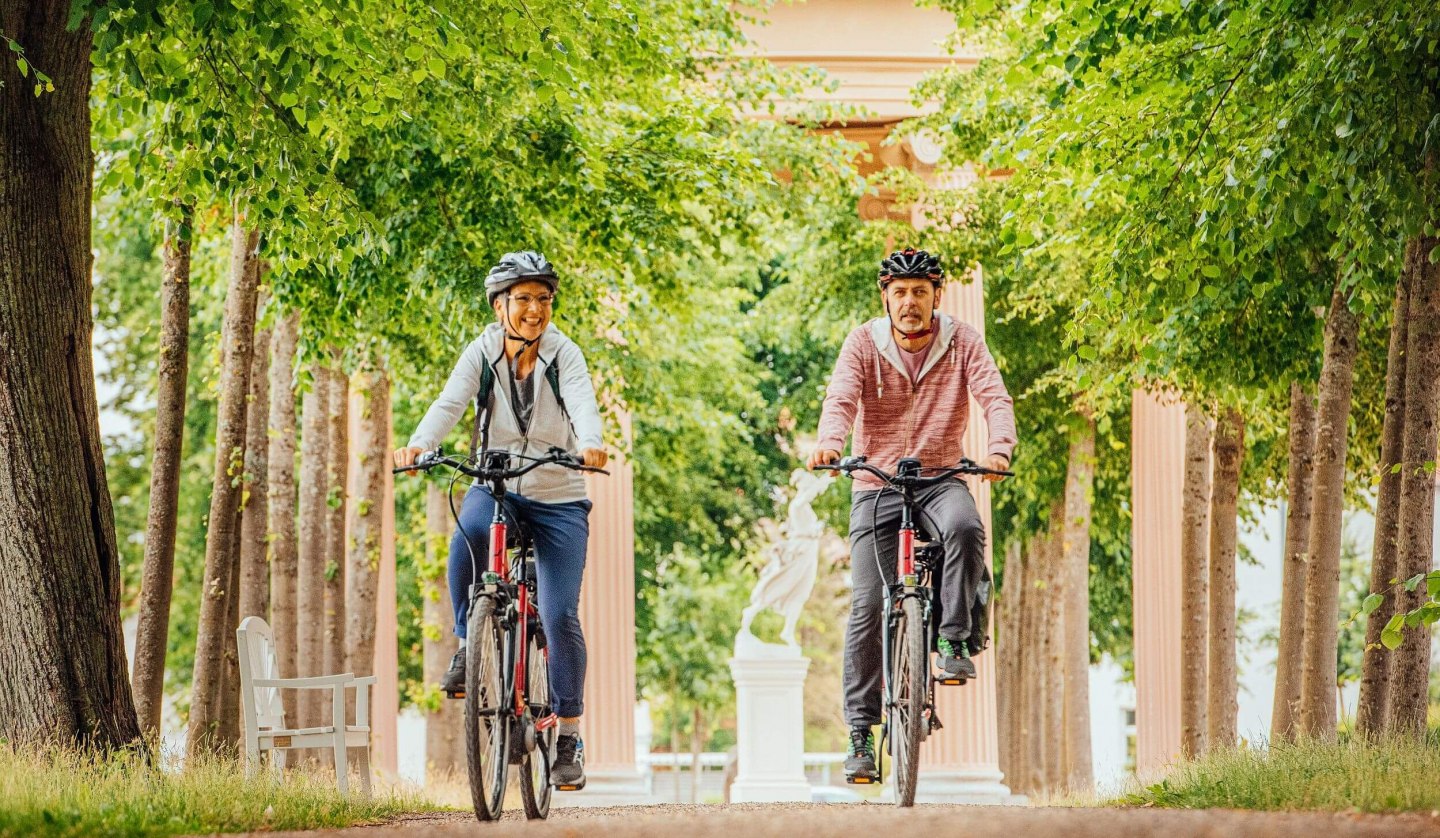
[{"x": 907, "y": 585}]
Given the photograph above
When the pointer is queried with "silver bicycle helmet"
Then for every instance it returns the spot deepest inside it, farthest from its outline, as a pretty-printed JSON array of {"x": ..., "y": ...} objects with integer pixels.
[{"x": 521, "y": 266}]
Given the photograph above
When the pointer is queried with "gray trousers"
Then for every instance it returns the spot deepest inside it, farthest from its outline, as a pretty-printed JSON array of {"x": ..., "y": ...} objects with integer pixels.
[{"x": 947, "y": 513}]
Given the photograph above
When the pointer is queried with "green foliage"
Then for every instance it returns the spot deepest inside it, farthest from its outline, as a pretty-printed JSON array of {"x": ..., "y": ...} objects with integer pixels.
[
  {"x": 1389, "y": 776},
  {"x": 121, "y": 795}
]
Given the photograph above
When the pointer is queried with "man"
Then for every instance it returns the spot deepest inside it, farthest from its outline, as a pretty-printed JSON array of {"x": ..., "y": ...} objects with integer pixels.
[
  {"x": 903, "y": 383},
  {"x": 528, "y": 413}
]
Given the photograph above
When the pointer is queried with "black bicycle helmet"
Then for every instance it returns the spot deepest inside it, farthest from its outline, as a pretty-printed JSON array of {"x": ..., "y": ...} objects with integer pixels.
[
  {"x": 519, "y": 267},
  {"x": 911, "y": 264}
]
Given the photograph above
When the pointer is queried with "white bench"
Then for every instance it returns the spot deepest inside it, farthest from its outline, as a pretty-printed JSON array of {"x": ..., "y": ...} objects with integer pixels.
[{"x": 264, "y": 713}]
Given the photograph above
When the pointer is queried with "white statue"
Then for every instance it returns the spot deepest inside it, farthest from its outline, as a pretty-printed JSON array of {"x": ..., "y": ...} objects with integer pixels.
[{"x": 789, "y": 576}]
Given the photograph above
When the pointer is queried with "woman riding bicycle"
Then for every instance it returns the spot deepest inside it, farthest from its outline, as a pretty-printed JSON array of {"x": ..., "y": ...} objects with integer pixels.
[
  {"x": 539, "y": 396},
  {"x": 913, "y": 403}
]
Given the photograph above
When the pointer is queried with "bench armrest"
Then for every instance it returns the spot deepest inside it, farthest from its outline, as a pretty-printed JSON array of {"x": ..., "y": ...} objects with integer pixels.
[{"x": 314, "y": 683}]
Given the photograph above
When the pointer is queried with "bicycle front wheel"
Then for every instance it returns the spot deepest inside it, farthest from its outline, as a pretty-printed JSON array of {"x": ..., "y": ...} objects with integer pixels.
[
  {"x": 909, "y": 682},
  {"x": 535, "y": 767},
  {"x": 487, "y": 716}
]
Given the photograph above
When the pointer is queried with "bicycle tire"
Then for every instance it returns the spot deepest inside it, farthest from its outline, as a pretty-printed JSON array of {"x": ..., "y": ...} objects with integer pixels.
[
  {"x": 487, "y": 720},
  {"x": 909, "y": 677},
  {"x": 535, "y": 791}
]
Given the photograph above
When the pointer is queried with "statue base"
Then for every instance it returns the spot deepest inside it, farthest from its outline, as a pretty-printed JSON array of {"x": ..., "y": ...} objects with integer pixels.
[{"x": 770, "y": 716}]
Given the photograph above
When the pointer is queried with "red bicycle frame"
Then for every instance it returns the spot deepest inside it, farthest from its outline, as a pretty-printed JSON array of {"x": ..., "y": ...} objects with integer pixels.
[{"x": 500, "y": 566}]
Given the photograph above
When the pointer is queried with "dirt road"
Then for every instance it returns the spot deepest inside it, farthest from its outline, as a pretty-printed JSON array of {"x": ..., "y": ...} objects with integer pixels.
[{"x": 783, "y": 820}]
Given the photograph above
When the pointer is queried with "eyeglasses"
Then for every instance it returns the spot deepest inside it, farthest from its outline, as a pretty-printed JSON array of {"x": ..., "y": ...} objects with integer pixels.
[{"x": 525, "y": 300}]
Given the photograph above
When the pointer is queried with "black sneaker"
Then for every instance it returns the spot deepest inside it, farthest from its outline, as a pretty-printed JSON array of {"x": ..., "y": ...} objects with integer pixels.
[
  {"x": 567, "y": 770},
  {"x": 452, "y": 683},
  {"x": 860, "y": 756},
  {"x": 954, "y": 661}
]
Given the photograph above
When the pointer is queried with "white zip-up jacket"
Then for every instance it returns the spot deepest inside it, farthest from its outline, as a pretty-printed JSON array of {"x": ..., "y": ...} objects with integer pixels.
[{"x": 549, "y": 425}]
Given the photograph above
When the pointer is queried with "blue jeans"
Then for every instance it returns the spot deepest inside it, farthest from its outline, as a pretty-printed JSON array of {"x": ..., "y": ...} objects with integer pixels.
[{"x": 561, "y": 532}]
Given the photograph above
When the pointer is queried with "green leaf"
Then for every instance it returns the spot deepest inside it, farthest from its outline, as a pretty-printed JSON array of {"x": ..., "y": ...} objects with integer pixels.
[
  {"x": 436, "y": 65},
  {"x": 1414, "y": 581},
  {"x": 1390, "y": 636},
  {"x": 202, "y": 14},
  {"x": 414, "y": 52},
  {"x": 24, "y": 67},
  {"x": 1371, "y": 603},
  {"x": 1088, "y": 353},
  {"x": 1211, "y": 271},
  {"x": 1432, "y": 584}
]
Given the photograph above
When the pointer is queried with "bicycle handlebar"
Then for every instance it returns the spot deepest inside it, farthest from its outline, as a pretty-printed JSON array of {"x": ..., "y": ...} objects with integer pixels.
[
  {"x": 557, "y": 456},
  {"x": 849, "y": 465}
]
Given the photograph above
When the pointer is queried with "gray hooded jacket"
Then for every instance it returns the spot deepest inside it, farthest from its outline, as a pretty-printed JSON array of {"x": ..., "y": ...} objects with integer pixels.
[{"x": 549, "y": 425}]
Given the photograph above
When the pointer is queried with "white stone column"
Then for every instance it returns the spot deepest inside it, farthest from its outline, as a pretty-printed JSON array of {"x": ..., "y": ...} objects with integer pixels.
[
  {"x": 770, "y": 729},
  {"x": 1157, "y": 469},
  {"x": 961, "y": 762}
]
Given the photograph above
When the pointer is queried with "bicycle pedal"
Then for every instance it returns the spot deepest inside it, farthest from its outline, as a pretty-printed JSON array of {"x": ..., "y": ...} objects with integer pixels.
[
  {"x": 860, "y": 781},
  {"x": 953, "y": 682},
  {"x": 460, "y": 694},
  {"x": 570, "y": 787}
]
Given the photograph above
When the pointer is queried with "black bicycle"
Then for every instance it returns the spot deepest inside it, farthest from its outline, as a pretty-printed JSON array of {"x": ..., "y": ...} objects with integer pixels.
[
  {"x": 909, "y": 682},
  {"x": 508, "y": 718}
]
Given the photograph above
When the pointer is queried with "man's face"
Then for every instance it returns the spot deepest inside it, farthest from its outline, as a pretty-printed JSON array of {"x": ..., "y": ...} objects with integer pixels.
[
  {"x": 526, "y": 307},
  {"x": 911, "y": 303}
]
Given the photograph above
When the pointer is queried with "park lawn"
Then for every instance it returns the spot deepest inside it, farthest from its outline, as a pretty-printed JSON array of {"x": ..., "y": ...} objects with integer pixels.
[
  {"x": 68, "y": 794},
  {"x": 1389, "y": 776}
]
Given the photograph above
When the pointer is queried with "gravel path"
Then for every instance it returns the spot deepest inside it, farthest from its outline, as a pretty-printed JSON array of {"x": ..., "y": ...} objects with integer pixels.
[{"x": 802, "y": 820}]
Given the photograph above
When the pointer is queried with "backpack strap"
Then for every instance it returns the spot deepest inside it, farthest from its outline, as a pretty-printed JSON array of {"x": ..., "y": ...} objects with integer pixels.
[
  {"x": 480, "y": 433},
  {"x": 552, "y": 375}
]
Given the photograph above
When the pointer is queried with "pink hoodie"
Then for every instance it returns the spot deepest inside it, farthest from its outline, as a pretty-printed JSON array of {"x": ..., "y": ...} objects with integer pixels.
[{"x": 894, "y": 418}]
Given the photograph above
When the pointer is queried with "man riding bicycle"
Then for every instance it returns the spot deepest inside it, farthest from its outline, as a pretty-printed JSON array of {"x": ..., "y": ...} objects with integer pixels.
[
  {"x": 903, "y": 383},
  {"x": 539, "y": 395}
]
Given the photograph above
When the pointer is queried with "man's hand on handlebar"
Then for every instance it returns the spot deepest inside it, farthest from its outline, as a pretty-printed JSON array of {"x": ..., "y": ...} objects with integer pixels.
[
  {"x": 405, "y": 457},
  {"x": 822, "y": 457},
  {"x": 996, "y": 462}
]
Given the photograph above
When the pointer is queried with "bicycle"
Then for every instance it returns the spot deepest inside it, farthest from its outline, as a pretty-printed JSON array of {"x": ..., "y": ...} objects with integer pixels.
[
  {"x": 508, "y": 719},
  {"x": 907, "y": 679}
]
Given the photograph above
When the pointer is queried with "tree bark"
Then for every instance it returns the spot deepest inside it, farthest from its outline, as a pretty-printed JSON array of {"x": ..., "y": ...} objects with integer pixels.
[
  {"x": 1372, "y": 711},
  {"x": 237, "y": 344},
  {"x": 444, "y": 726},
  {"x": 366, "y": 520},
  {"x": 1322, "y": 580},
  {"x": 1032, "y": 744},
  {"x": 1079, "y": 482},
  {"x": 695, "y": 719},
  {"x": 280, "y": 503},
  {"x": 310, "y": 573},
  {"x": 1415, "y": 553},
  {"x": 255, "y": 508},
  {"x": 1300, "y": 480},
  {"x": 1008, "y": 651},
  {"x": 1053, "y": 656},
  {"x": 1223, "y": 705},
  {"x": 338, "y": 457},
  {"x": 63, "y": 674},
  {"x": 1195, "y": 577},
  {"x": 153, "y": 630}
]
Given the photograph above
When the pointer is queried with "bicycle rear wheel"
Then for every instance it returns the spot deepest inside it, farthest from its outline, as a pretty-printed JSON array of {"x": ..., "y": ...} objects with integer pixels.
[
  {"x": 487, "y": 716},
  {"x": 909, "y": 676},
  {"x": 535, "y": 767}
]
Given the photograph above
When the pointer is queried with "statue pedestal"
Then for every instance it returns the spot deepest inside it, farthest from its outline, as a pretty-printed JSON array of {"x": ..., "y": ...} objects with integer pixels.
[
  {"x": 770, "y": 715},
  {"x": 981, "y": 785}
]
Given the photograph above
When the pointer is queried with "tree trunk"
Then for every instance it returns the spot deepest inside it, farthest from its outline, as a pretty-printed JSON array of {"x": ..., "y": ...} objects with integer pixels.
[
  {"x": 1223, "y": 705},
  {"x": 237, "y": 346},
  {"x": 310, "y": 561},
  {"x": 1195, "y": 579},
  {"x": 1079, "y": 481},
  {"x": 153, "y": 630},
  {"x": 1300, "y": 480},
  {"x": 338, "y": 457},
  {"x": 255, "y": 508},
  {"x": 1373, "y": 710},
  {"x": 1322, "y": 580},
  {"x": 252, "y": 572},
  {"x": 366, "y": 520},
  {"x": 444, "y": 726},
  {"x": 1007, "y": 650},
  {"x": 280, "y": 501},
  {"x": 227, "y": 728},
  {"x": 1415, "y": 553},
  {"x": 62, "y": 656},
  {"x": 695, "y": 755},
  {"x": 1035, "y": 593},
  {"x": 1023, "y": 744},
  {"x": 1053, "y": 665}
]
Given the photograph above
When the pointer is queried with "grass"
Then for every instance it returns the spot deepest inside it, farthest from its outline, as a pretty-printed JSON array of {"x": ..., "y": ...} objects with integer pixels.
[
  {"x": 1352, "y": 775},
  {"x": 63, "y": 794}
]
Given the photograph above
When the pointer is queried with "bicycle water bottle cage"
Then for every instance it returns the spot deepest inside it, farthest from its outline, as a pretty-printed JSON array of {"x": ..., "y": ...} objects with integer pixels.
[{"x": 907, "y": 467}]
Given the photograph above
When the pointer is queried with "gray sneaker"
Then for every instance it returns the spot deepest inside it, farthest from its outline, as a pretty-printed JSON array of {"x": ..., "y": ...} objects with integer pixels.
[
  {"x": 567, "y": 769},
  {"x": 954, "y": 661},
  {"x": 860, "y": 757}
]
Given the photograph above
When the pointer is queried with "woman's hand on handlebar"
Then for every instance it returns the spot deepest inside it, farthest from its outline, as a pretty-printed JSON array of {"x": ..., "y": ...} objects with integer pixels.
[
  {"x": 822, "y": 457},
  {"x": 594, "y": 457},
  {"x": 405, "y": 457}
]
